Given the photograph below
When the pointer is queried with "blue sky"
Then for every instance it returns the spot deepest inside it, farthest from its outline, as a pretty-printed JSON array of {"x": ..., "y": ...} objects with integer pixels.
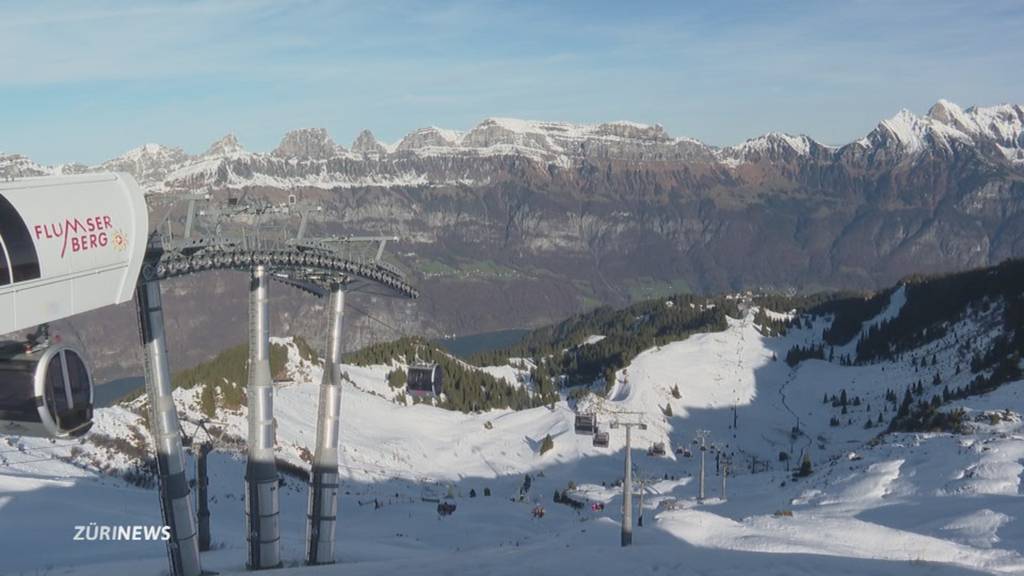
[{"x": 85, "y": 81}]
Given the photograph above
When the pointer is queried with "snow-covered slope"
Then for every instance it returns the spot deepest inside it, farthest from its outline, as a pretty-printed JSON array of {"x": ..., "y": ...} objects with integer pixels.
[{"x": 901, "y": 504}]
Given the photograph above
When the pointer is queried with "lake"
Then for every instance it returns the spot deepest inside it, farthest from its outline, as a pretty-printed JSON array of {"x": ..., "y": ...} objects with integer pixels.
[{"x": 465, "y": 346}]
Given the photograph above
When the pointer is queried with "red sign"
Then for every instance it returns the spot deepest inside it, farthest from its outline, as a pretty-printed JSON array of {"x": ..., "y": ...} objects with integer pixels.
[{"x": 81, "y": 235}]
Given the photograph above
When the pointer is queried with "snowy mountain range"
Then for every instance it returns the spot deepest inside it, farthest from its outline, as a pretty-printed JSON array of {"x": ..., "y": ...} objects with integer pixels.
[
  {"x": 515, "y": 223},
  {"x": 310, "y": 157}
]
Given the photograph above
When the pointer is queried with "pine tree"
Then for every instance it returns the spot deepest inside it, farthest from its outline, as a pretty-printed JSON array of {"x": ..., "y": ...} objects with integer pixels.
[
  {"x": 396, "y": 378},
  {"x": 805, "y": 466},
  {"x": 908, "y": 401},
  {"x": 547, "y": 444},
  {"x": 208, "y": 401}
]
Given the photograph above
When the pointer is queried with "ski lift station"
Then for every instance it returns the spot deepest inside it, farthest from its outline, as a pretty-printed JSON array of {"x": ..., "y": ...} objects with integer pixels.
[
  {"x": 70, "y": 244},
  {"x": 67, "y": 245}
]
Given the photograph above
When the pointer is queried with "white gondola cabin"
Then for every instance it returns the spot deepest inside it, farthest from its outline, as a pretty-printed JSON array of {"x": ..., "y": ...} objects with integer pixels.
[{"x": 424, "y": 380}]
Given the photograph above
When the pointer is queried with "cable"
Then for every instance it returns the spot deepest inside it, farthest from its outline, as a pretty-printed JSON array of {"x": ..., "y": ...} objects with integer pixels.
[
  {"x": 50, "y": 459},
  {"x": 39, "y": 449},
  {"x": 375, "y": 319}
]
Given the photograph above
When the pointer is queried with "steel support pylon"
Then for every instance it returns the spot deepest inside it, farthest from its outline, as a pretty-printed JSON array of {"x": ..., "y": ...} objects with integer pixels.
[
  {"x": 202, "y": 501},
  {"x": 627, "y": 495},
  {"x": 262, "y": 506},
  {"x": 175, "y": 502},
  {"x": 321, "y": 514}
]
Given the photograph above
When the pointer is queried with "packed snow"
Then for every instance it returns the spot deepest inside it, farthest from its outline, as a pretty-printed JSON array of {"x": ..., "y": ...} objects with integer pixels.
[{"x": 895, "y": 504}]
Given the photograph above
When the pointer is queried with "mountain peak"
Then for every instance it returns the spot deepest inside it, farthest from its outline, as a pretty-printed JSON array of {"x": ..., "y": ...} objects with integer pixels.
[
  {"x": 428, "y": 137},
  {"x": 945, "y": 111},
  {"x": 367, "y": 143},
  {"x": 314, "y": 143},
  {"x": 226, "y": 146},
  {"x": 148, "y": 163},
  {"x": 770, "y": 147},
  {"x": 150, "y": 150}
]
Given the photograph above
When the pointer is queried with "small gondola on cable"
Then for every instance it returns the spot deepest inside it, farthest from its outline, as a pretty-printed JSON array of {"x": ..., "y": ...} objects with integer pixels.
[
  {"x": 424, "y": 380},
  {"x": 586, "y": 423},
  {"x": 46, "y": 388}
]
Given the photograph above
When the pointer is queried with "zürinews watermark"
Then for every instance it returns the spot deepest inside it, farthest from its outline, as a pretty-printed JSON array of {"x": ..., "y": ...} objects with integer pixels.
[{"x": 94, "y": 532}]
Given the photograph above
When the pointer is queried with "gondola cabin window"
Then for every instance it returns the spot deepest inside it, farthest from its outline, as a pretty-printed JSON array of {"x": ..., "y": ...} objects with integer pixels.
[{"x": 425, "y": 380}]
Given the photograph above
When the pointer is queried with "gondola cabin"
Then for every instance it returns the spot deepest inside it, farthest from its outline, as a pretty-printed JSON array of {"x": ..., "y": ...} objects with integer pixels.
[
  {"x": 424, "y": 380},
  {"x": 586, "y": 423},
  {"x": 45, "y": 392}
]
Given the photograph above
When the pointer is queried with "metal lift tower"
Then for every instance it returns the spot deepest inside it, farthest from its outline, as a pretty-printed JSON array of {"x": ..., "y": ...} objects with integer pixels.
[
  {"x": 262, "y": 506},
  {"x": 322, "y": 511},
  {"x": 243, "y": 237},
  {"x": 628, "y": 420},
  {"x": 175, "y": 503}
]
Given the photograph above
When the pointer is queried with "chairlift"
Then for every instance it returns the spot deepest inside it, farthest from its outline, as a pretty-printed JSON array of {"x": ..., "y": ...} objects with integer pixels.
[
  {"x": 601, "y": 439},
  {"x": 656, "y": 449}
]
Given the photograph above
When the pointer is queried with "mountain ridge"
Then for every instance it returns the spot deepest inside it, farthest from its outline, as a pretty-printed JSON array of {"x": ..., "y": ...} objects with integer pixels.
[
  {"x": 998, "y": 129},
  {"x": 514, "y": 233}
]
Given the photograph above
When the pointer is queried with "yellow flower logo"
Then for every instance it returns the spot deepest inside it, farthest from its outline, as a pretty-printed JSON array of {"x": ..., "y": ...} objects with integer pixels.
[{"x": 120, "y": 241}]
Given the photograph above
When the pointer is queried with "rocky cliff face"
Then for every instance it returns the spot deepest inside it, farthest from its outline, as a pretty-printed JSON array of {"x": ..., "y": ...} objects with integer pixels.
[{"x": 518, "y": 223}]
